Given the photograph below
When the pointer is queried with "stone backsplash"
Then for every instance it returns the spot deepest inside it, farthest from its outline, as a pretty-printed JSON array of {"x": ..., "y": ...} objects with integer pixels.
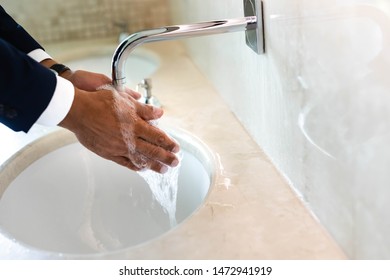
[{"x": 58, "y": 20}]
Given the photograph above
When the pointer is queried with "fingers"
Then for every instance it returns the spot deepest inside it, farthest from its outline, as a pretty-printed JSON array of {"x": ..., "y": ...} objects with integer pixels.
[
  {"x": 134, "y": 153},
  {"x": 103, "y": 79},
  {"x": 133, "y": 93},
  {"x": 137, "y": 153},
  {"x": 147, "y": 112},
  {"x": 143, "y": 144},
  {"x": 88, "y": 81},
  {"x": 156, "y": 153},
  {"x": 146, "y": 164},
  {"x": 156, "y": 137},
  {"x": 126, "y": 93},
  {"x": 117, "y": 128},
  {"x": 124, "y": 161},
  {"x": 151, "y": 133}
]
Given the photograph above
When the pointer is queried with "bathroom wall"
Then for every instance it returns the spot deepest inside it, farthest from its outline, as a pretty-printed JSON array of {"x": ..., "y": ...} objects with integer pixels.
[
  {"x": 57, "y": 20},
  {"x": 318, "y": 103}
]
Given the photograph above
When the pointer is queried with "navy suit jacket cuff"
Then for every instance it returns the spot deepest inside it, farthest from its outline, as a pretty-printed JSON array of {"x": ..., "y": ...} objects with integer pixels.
[{"x": 26, "y": 88}]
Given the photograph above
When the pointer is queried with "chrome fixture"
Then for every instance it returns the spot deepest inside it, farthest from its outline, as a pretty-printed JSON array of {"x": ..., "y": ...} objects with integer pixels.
[
  {"x": 252, "y": 23},
  {"x": 148, "y": 98}
]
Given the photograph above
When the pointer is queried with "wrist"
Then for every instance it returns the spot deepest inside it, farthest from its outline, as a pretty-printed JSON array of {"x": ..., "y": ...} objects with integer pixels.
[
  {"x": 76, "y": 109},
  {"x": 60, "y": 103},
  {"x": 58, "y": 68}
]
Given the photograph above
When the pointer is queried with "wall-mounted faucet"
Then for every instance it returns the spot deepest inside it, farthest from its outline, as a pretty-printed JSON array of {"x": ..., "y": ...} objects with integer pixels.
[{"x": 252, "y": 24}]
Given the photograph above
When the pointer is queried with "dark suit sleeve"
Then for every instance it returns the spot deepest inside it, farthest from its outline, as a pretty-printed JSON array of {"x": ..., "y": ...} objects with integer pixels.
[
  {"x": 26, "y": 87},
  {"x": 15, "y": 34}
]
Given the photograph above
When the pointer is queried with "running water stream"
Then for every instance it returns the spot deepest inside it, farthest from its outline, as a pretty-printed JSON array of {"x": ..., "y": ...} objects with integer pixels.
[{"x": 164, "y": 188}]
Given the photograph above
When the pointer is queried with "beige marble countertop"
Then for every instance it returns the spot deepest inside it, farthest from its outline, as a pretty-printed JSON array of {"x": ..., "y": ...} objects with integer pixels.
[{"x": 251, "y": 212}]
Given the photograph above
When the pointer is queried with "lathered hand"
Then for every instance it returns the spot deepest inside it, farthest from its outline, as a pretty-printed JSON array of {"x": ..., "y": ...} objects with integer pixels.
[{"x": 116, "y": 127}]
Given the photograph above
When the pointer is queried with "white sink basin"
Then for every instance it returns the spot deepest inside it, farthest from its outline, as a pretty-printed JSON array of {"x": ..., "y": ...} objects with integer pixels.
[{"x": 68, "y": 201}]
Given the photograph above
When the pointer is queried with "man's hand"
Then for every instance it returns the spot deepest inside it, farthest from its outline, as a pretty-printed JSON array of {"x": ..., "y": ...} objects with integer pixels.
[
  {"x": 115, "y": 126},
  {"x": 90, "y": 81}
]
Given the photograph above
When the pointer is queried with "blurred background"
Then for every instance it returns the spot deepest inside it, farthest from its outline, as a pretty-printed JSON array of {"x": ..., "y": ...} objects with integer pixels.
[{"x": 57, "y": 20}]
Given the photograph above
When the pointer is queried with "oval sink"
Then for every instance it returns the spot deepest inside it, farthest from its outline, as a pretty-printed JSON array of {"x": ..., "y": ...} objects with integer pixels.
[{"x": 68, "y": 200}]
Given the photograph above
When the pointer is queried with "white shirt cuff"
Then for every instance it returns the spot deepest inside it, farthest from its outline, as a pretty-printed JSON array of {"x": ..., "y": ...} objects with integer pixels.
[
  {"x": 59, "y": 105},
  {"x": 39, "y": 55}
]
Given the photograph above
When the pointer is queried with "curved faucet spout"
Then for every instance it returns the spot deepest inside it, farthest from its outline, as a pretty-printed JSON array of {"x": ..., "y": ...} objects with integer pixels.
[{"x": 172, "y": 33}]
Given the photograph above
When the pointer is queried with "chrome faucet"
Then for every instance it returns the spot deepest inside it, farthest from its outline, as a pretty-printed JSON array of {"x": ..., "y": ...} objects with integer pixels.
[{"x": 252, "y": 24}]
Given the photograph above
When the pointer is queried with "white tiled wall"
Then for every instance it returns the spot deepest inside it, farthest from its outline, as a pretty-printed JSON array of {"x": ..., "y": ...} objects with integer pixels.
[
  {"x": 318, "y": 103},
  {"x": 57, "y": 20}
]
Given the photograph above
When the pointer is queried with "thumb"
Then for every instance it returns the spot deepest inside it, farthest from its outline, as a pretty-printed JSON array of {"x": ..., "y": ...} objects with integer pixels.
[{"x": 147, "y": 112}]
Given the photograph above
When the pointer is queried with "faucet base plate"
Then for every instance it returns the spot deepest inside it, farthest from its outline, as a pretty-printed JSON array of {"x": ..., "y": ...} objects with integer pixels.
[{"x": 255, "y": 37}]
